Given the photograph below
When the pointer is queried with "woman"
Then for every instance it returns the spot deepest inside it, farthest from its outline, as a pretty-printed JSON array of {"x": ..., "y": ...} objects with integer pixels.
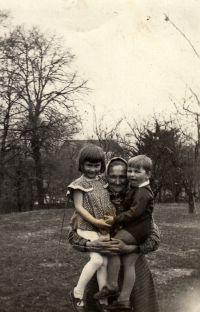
[{"x": 143, "y": 296}]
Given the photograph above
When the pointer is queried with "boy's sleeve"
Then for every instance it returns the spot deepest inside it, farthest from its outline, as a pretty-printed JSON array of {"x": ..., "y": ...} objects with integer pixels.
[
  {"x": 140, "y": 202},
  {"x": 153, "y": 242}
]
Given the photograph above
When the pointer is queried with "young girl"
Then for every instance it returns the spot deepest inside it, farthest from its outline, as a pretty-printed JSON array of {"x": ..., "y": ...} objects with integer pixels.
[{"x": 92, "y": 203}]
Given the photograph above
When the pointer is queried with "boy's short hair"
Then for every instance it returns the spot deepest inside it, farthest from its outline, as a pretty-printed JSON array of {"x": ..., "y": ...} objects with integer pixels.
[
  {"x": 141, "y": 161},
  {"x": 93, "y": 154}
]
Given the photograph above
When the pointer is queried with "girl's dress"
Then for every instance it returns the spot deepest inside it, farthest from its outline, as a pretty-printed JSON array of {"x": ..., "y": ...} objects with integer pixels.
[{"x": 96, "y": 201}]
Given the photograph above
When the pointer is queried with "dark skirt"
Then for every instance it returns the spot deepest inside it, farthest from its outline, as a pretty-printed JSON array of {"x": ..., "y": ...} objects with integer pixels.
[{"x": 143, "y": 296}]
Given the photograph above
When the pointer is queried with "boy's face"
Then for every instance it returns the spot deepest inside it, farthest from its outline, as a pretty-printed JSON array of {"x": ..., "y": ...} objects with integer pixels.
[{"x": 137, "y": 176}]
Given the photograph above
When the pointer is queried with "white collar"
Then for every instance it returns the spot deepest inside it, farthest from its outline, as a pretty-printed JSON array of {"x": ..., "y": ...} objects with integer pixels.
[{"x": 144, "y": 184}]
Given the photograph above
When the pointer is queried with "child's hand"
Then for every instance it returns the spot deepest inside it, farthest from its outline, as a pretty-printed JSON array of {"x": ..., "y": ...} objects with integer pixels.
[
  {"x": 109, "y": 220},
  {"x": 101, "y": 224}
]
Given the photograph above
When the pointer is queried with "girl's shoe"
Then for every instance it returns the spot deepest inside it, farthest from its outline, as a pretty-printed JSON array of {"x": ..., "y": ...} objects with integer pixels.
[
  {"x": 119, "y": 306},
  {"x": 106, "y": 293},
  {"x": 75, "y": 303}
]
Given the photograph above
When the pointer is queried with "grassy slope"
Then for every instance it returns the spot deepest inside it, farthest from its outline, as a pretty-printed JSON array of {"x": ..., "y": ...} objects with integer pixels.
[{"x": 32, "y": 279}]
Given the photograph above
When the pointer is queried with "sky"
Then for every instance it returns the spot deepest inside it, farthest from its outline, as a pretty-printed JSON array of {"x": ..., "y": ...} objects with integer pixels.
[{"x": 132, "y": 58}]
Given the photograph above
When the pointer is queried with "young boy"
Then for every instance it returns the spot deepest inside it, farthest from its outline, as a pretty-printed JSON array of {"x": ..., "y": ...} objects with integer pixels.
[{"x": 134, "y": 228}]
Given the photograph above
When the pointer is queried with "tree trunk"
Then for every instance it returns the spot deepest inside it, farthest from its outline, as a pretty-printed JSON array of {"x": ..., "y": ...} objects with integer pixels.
[
  {"x": 31, "y": 197},
  {"x": 176, "y": 198},
  {"x": 192, "y": 206},
  {"x": 18, "y": 188},
  {"x": 38, "y": 171},
  {"x": 177, "y": 191},
  {"x": 160, "y": 195},
  {"x": 164, "y": 195},
  {"x": 1, "y": 206},
  {"x": 39, "y": 181},
  {"x": 19, "y": 205},
  {"x": 1, "y": 184}
]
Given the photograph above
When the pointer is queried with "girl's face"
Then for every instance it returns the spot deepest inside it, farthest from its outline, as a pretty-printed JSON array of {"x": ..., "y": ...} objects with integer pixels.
[
  {"x": 91, "y": 170},
  {"x": 117, "y": 178}
]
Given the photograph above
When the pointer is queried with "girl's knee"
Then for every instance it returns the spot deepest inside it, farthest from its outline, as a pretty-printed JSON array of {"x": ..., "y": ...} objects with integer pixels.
[
  {"x": 105, "y": 261},
  {"x": 97, "y": 260}
]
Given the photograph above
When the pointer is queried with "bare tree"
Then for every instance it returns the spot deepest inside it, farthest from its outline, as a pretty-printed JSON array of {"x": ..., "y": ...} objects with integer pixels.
[
  {"x": 44, "y": 87},
  {"x": 107, "y": 135},
  {"x": 157, "y": 140},
  {"x": 9, "y": 114},
  {"x": 189, "y": 108},
  {"x": 4, "y": 18}
]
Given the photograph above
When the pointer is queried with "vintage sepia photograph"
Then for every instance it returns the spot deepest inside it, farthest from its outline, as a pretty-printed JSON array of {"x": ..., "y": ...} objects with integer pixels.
[{"x": 99, "y": 156}]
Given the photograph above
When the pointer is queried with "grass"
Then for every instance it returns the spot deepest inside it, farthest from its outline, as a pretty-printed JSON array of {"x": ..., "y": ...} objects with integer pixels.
[{"x": 33, "y": 279}]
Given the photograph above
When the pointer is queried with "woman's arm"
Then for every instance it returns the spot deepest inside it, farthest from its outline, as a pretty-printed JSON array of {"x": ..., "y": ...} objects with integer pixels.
[
  {"x": 116, "y": 245},
  {"x": 98, "y": 245},
  {"x": 151, "y": 244},
  {"x": 77, "y": 241},
  {"x": 78, "y": 203}
]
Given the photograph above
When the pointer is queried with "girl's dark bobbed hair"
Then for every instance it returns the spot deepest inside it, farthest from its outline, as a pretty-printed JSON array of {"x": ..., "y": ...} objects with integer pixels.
[{"x": 93, "y": 154}]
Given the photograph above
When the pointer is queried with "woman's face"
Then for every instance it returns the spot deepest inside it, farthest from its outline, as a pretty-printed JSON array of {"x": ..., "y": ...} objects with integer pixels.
[{"x": 117, "y": 178}]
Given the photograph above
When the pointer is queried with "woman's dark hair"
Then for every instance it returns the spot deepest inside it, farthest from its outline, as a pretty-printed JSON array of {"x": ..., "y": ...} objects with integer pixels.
[
  {"x": 116, "y": 162},
  {"x": 93, "y": 154}
]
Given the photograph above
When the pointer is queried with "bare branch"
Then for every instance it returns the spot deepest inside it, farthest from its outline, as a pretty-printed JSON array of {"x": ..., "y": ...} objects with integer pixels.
[{"x": 192, "y": 46}]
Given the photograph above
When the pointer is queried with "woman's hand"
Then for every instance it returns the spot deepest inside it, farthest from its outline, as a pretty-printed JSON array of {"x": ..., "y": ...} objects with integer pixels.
[
  {"x": 97, "y": 243},
  {"x": 103, "y": 246},
  {"x": 122, "y": 247},
  {"x": 113, "y": 247},
  {"x": 101, "y": 224}
]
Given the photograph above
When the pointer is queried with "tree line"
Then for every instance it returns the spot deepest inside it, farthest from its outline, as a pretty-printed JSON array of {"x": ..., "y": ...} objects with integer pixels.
[{"x": 39, "y": 90}]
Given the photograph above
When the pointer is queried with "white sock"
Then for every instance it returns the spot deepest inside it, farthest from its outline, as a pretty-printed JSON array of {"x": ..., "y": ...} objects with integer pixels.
[
  {"x": 78, "y": 293},
  {"x": 104, "y": 301},
  {"x": 81, "y": 303}
]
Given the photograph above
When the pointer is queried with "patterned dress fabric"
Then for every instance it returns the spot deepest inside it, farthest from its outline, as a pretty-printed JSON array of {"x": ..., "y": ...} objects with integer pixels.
[{"x": 96, "y": 201}]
